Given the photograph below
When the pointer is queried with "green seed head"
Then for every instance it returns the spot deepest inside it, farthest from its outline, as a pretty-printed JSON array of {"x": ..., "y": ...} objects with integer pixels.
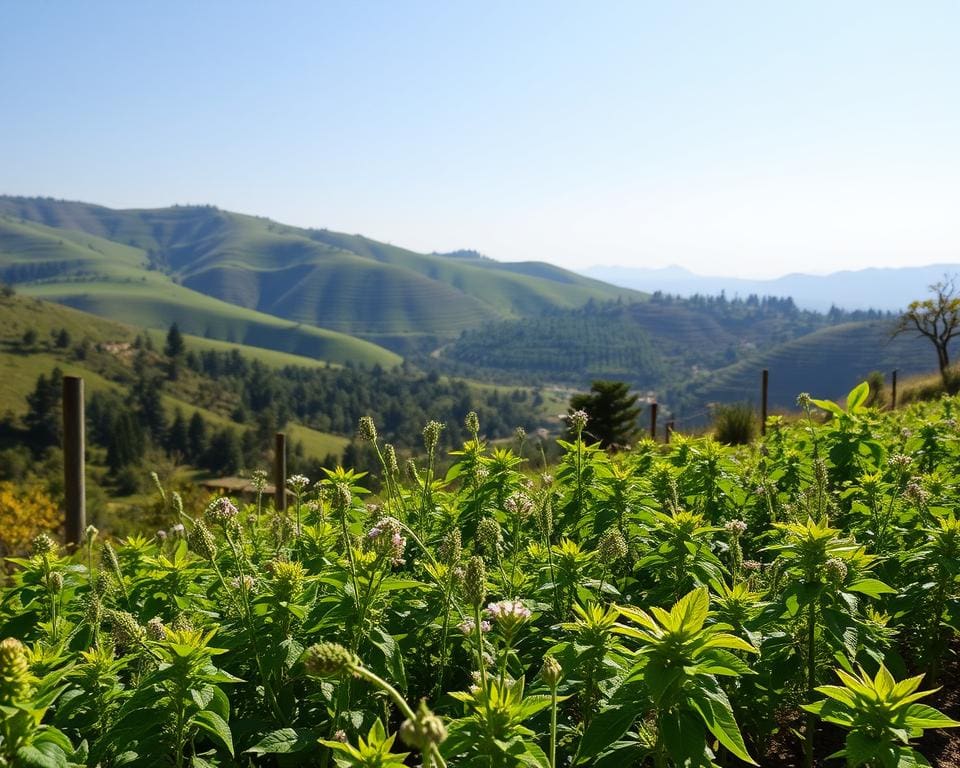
[
  {"x": 155, "y": 629},
  {"x": 489, "y": 536},
  {"x": 613, "y": 547},
  {"x": 367, "y": 430},
  {"x": 425, "y": 730},
  {"x": 431, "y": 435},
  {"x": 451, "y": 548},
  {"x": 15, "y": 677},
  {"x": 43, "y": 544},
  {"x": 110, "y": 558},
  {"x": 56, "y": 582},
  {"x": 202, "y": 542},
  {"x": 390, "y": 459},
  {"x": 125, "y": 629},
  {"x": 475, "y": 581},
  {"x": 329, "y": 660},
  {"x": 472, "y": 422}
]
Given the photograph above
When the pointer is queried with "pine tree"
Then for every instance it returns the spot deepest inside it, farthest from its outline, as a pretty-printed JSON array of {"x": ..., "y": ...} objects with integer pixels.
[
  {"x": 126, "y": 445},
  {"x": 174, "y": 346},
  {"x": 43, "y": 418},
  {"x": 612, "y": 413},
  {"x": 174, "y": 350},
  {"x": 196, "y": 438},
  {"x": 177, "y": 437},
  {"x": 224, "y": 454}
]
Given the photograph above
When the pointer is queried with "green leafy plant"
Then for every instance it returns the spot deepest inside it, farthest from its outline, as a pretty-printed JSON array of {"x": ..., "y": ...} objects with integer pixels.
[
  {"x": 675, "y": 678},
  {"x": 881, "y": 715}
]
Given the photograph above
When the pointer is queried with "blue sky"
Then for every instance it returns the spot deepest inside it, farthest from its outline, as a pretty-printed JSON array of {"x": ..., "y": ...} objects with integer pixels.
[{"x": 742, "y": 138}]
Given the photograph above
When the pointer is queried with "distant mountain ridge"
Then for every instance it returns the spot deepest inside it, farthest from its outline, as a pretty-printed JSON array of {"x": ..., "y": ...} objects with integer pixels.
[{"x": 884, "y": 288}]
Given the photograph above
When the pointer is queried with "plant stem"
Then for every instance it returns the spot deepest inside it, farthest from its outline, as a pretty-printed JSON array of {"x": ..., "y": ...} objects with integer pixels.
[
  {"x": 553, "y": 726},
  {"x": 811, "y": 683}
]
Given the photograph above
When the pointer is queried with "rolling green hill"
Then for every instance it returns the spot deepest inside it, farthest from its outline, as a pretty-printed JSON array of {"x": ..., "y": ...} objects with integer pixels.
[
  {"x": 114, "y": 280},
  {"x": 344, "y": 283},
  {"x": 106, "y": 364}
]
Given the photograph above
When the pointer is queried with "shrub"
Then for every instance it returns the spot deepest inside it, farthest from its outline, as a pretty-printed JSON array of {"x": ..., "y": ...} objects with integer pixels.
[
  {"x": 25, "y": 510},
  {"x": 734, "y": 423}
]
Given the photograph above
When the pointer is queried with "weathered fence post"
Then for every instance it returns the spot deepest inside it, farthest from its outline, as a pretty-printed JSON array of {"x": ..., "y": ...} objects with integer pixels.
[
  {"x": 764, "y": 384},
  {"x": 280, "y": 472},
  {"x": 74, "y": 484},
  {"x": 893, "y": 391},
  {"x": 667, "y": 431},
  {"x": 653, "y": 421}
]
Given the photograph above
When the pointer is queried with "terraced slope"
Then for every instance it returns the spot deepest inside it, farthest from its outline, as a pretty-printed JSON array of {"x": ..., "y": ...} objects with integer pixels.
[
  {"x": 346, "y": 283},
  {"x": 114, "y": 280},
  {"x": 826, "y": 363}
]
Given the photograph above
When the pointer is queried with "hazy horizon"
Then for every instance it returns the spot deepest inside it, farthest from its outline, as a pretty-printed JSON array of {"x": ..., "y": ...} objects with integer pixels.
[{"x": 751, "y": 141}]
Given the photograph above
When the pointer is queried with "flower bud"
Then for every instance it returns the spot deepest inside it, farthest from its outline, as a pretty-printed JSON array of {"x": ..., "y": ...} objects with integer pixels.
[
  {"x": 222, "y": 511},
  {"x": 835, "y": 570},
  {"x": 287, "y": 582},
  {"x": 551, "y": 672}
]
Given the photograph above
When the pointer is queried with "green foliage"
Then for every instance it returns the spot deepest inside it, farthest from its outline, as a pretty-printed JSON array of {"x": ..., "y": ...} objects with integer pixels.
[
  {"x": 734, "y": 424},
  {"x": 522, "y": 611},
  {"x": 612, "y": 413},
  {"x": 881, "y": 716}
]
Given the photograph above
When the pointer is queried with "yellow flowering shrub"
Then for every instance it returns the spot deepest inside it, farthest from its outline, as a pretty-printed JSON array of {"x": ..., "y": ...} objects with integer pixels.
[{"x": 25, "y": 511}]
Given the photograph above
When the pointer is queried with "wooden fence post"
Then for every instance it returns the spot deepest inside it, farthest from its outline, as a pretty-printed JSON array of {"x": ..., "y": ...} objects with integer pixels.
[
  {"x": 280, "y": 472},
  {"x": 653, "y": 421},
  {"x": 764, "y": 385},
  {"x": 74, "y": 481},
  {"x": 893, "y": 391}
]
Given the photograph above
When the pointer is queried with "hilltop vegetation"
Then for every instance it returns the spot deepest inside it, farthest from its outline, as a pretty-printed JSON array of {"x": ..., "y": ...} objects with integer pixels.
[
  {"x": 93, "y": 257},
  {"x": 691, "y": 351}
]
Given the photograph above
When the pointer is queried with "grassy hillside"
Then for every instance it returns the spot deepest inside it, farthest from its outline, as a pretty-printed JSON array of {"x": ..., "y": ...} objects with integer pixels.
[
  {"x": 114, "y": 280},
  {"x": 346, "y": 283},
  {"x": 106, "y": 365}
]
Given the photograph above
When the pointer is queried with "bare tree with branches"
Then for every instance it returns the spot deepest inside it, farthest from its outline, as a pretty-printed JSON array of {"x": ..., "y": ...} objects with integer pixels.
[{"x": 936, "y": 318}]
